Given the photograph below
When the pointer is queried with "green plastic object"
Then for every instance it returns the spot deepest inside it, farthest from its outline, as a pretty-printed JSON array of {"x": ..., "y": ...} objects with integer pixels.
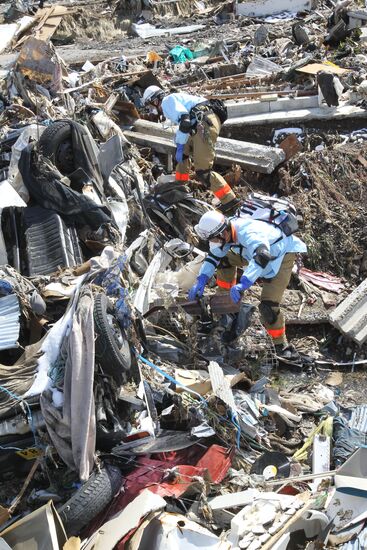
[{"x": 180, "y": 54}]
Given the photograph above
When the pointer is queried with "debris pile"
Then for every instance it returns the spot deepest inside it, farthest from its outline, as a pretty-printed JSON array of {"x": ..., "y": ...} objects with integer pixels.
[{"x": 150, "y": 264}]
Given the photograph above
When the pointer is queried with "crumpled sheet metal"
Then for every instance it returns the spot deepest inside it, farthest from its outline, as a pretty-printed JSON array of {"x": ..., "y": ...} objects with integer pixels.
[
  {"x": 9, "y": 322},
  {"x": 51, "y": 344},
  {"x": 358, "y": 419},
  {"x": 36, "y": 61},
  {"x": 73, "y": 432}
]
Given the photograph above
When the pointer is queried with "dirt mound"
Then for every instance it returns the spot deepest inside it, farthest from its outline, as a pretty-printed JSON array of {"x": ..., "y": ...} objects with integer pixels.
[
  {"x": 177, "y": 8},
  {"x": 329, "y": 188},
  {"x": 83, "y": 26}
]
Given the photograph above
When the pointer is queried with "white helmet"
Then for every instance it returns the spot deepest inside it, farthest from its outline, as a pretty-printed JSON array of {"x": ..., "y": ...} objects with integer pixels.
[
  {"x": 211, "y": 225},
  {"x": 151, "y": 93}
]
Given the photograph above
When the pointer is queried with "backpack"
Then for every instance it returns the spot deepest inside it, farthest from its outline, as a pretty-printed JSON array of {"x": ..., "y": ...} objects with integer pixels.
[
  {"x": 219, "y": 109},
  {"x": 279, "y": 212}
]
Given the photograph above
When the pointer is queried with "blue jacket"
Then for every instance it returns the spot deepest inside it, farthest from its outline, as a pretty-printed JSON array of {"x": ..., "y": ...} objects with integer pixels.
[
  {"x": 248, "y": 235},
  {"x": 176, "y": 105}
]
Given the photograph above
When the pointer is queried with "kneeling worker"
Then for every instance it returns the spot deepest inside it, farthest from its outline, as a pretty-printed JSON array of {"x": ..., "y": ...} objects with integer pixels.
[
  {"x": 199, "y": 123},
  {"x": 264, "y": 251}
]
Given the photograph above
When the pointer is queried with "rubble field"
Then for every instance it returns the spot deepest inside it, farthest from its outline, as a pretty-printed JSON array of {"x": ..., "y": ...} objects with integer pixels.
[{"x": 132, "y": 417}]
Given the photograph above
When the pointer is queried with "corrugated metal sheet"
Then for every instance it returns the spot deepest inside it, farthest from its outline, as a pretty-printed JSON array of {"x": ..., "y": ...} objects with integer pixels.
[
  {"x": 358, "y": 419},
  {"x": 9, "y": 322},
  {"x": 350, "y": 317},
  {"x": 360, "y": 543}
]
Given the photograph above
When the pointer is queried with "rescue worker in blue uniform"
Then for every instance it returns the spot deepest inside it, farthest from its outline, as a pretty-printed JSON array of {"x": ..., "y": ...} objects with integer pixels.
[
  {"x": 199, "y": 123},
  {"x": 263, "y": 251}
]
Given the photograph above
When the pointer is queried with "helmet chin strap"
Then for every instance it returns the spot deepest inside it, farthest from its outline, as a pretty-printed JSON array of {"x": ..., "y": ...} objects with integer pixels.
[{"x": 222, "y": 240}]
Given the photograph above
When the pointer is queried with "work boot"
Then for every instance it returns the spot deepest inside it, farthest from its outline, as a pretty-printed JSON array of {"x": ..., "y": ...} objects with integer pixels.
[
  {"x": 287, "y": 352},
  {"x": 230, "y": 207}
]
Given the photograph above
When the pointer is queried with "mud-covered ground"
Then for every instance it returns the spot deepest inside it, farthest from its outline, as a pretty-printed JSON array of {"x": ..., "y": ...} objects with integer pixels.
[{"x": 329, "y": 187}]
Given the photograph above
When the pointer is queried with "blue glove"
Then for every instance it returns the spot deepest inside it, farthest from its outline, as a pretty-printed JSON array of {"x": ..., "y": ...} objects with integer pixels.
[
  {"x": 179, "y": 152},
  {"x": 237, "y": 290},
  {"x": 5, "y": 288},
  {"x": 198, "y": 289}
]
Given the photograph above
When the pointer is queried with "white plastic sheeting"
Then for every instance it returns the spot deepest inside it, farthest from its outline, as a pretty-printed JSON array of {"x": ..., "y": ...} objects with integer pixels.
[{"x": 7, "y": 33}]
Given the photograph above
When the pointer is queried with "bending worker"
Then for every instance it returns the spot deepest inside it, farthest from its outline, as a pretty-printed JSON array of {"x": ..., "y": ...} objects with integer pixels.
[
  {"x": 199, "y": 123},
  {"x": 264, "y": 251}
]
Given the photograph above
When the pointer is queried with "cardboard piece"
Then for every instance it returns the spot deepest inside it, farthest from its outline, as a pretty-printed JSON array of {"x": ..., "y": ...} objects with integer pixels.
[
  {"x": 41, "y": 529},
  {"x": 291, "y": 146},
  {"x": 314, "y": 68}
]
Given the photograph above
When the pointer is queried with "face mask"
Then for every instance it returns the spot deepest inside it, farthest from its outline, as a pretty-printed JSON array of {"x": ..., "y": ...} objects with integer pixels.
[{"x": 215, "y": 247}]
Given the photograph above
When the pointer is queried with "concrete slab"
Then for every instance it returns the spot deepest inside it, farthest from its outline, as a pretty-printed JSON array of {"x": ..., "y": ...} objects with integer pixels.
[
  {"x": 275, "y": 117},
  {"x": 350, "y": 317},
  {"x": 258, "y": 158},
  {"x": 262, "y": 8},
  {"x": 256, "y": 107}
]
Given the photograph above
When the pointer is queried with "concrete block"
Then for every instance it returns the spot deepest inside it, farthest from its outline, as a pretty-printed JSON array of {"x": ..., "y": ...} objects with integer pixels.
[
  {"x": 262, "y": 8},
  {"x": 258, "y": 158},
  {"x": 350, "y": 317},
  {"x": 243, "y": 108},
  {"x": 257, "y": 107},
  {"x": 294, "y": 103},
  {"x": 270, "y": 98},
  {"x": 357, "y": 18}
]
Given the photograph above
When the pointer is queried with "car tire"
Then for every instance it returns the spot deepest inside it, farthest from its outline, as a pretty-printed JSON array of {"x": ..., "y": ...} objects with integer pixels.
[
  {"x": 112, "y": 349},
  {"x": 88, "y": 501},
  {"x": 56, "y": 144}
]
